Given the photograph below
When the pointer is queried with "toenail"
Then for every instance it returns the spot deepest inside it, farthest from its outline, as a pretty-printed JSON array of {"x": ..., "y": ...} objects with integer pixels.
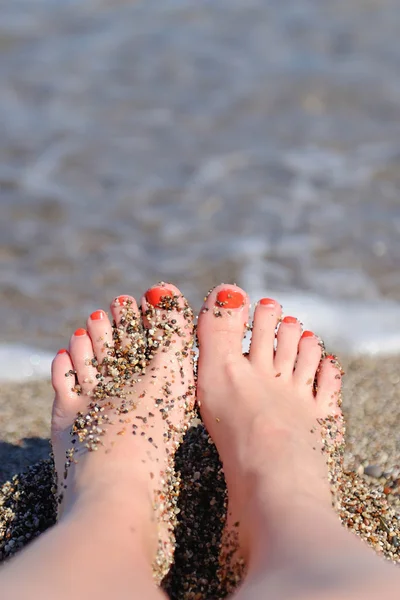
[
  {"x": 62, "y": 351},
  {"x": 97, "y": 315},
  {"x": 308, "y": 334},
  {"x": 155, "y": 295},
  {"x": 331, "y": 356},
  {"x": 79, "y": 332},
  {"x": 268, "y": 302},
  {"x": 290, "y": 320},
  {"x": 230, "y": 299},
  {"x": 121, "y": 300}
]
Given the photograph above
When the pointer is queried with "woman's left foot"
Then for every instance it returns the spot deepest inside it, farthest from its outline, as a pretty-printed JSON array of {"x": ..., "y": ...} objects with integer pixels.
[{"x": 124, "y": 398}]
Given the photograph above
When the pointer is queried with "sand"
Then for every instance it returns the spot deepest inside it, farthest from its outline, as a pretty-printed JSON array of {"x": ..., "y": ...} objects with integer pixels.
[{"x": 369, "y": 495}]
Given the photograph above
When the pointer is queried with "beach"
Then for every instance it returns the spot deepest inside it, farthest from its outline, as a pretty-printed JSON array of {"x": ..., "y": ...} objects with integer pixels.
[
  {"x": 369, "y": 499},
  {"x": 246, "y": 141}
]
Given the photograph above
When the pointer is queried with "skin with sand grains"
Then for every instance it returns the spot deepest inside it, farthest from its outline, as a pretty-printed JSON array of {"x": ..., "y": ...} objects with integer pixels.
[{"x": 136, "y": 393}]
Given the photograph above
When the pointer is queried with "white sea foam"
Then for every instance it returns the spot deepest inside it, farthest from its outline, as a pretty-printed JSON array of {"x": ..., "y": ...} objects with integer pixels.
[
  {"x": 346, "y": 326},
  {"x": 22, "y": 363}
]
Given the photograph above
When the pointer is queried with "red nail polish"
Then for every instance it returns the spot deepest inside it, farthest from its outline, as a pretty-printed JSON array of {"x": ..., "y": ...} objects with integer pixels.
[
  {"x": 121, "y": 300},
  {"x": 62, "y": 351},
  {"x": 97, "y": 315},
  {"x": 155, "y": 295},
  {"x": 230, "y": 299},
  {"x": 79, "y": 332},
  {"x": 290, "y": 320},
  {"x": 331, "y": 356},
  {"x": 268, "y": 302},
  {"x": 308, "y": 334}
]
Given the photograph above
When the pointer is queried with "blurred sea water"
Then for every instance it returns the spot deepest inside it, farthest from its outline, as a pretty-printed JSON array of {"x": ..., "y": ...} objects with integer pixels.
[{"x": 249, "y": 141}]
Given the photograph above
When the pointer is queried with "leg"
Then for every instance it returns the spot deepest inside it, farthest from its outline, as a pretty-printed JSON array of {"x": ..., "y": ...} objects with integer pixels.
[
  {"x": 124, "y": 396},
  {"x": 266, "y": 413},
  {"x": 87, "y": 555}
]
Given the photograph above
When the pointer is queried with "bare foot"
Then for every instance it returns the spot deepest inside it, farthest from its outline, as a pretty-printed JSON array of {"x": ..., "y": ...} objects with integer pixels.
[
  {"x": 265, "y": 413},
  {"x": 124, "y": 397}
]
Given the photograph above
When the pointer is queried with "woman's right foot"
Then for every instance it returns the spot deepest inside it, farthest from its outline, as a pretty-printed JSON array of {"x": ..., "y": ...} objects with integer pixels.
[{"x": 266, "y": 413}]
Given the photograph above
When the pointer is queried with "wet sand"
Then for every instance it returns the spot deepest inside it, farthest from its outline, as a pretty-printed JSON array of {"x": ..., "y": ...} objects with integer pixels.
[{"x": 369, "y": 502}]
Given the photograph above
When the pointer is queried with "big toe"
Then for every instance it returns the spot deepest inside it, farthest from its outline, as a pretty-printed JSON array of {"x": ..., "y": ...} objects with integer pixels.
[
  {"x": 221, "y": 327},
  {"x": 169, "y": 324}
]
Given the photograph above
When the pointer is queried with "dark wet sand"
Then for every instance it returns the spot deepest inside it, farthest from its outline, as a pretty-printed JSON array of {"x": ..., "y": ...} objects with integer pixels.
[{"x": 370, "y": 491}]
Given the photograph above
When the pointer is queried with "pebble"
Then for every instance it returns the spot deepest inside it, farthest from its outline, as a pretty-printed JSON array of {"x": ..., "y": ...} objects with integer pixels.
[{"x": 373, "y": 471}]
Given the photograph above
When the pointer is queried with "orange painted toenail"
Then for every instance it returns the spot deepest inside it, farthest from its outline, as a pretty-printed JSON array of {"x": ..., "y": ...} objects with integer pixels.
[
  {"x": 331, "y": 356},
  {"x": 290, "y": 320},
  {"x": 308, "y": 334},
  {"x": 62, "y": 351},
  {"x": 121, "y": 300},
  {"x": 79, "y": 332},
  {"x": 267, "y": 302},
  {"x": 97, "y": 315},
  {"x": 230, "y": 299},
  {"x": 155, "y": 295}
]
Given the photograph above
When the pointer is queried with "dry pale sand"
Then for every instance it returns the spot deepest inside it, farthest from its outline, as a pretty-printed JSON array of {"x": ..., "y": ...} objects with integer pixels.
[{"x": 370, "y": 490}]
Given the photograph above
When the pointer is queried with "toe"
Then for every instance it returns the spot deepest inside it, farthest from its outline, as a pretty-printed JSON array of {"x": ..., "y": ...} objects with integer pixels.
[
  {"x": 127, "y": 319},
  {"x": 221, "y": 327},
  {"x": 120, "y": 306},
  {"x": 288, "y": 338},
  {"x": 66, "y": 402},
  {"x": 308, "y": 359},
  {"x": 168, "y": 319},
  {"x": 100, "y": 331},
  {"x": 82, "y": 356},
  {"x": 329, "y": 385},
  {"x": 266, "y": 318}
]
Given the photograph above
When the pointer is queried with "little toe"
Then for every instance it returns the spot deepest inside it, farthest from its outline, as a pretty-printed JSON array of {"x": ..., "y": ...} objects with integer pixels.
[
  {"x": 288, "y": 338},
  {"x": 329, "y": 385},
  {"x": 220, "y": 330},
  {"x": 309, "y": 356},
  {"x": 266, "y": 318},
  {"x": 67, "y": 402},
  {"x": 100, "y": 331},
  {"x": 82, "y": 356}
]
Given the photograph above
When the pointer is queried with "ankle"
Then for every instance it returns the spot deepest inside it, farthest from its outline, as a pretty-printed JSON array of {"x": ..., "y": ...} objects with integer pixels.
[
  {"x": 300, "y": 535},
  {"x": 118, "y": 517}
]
